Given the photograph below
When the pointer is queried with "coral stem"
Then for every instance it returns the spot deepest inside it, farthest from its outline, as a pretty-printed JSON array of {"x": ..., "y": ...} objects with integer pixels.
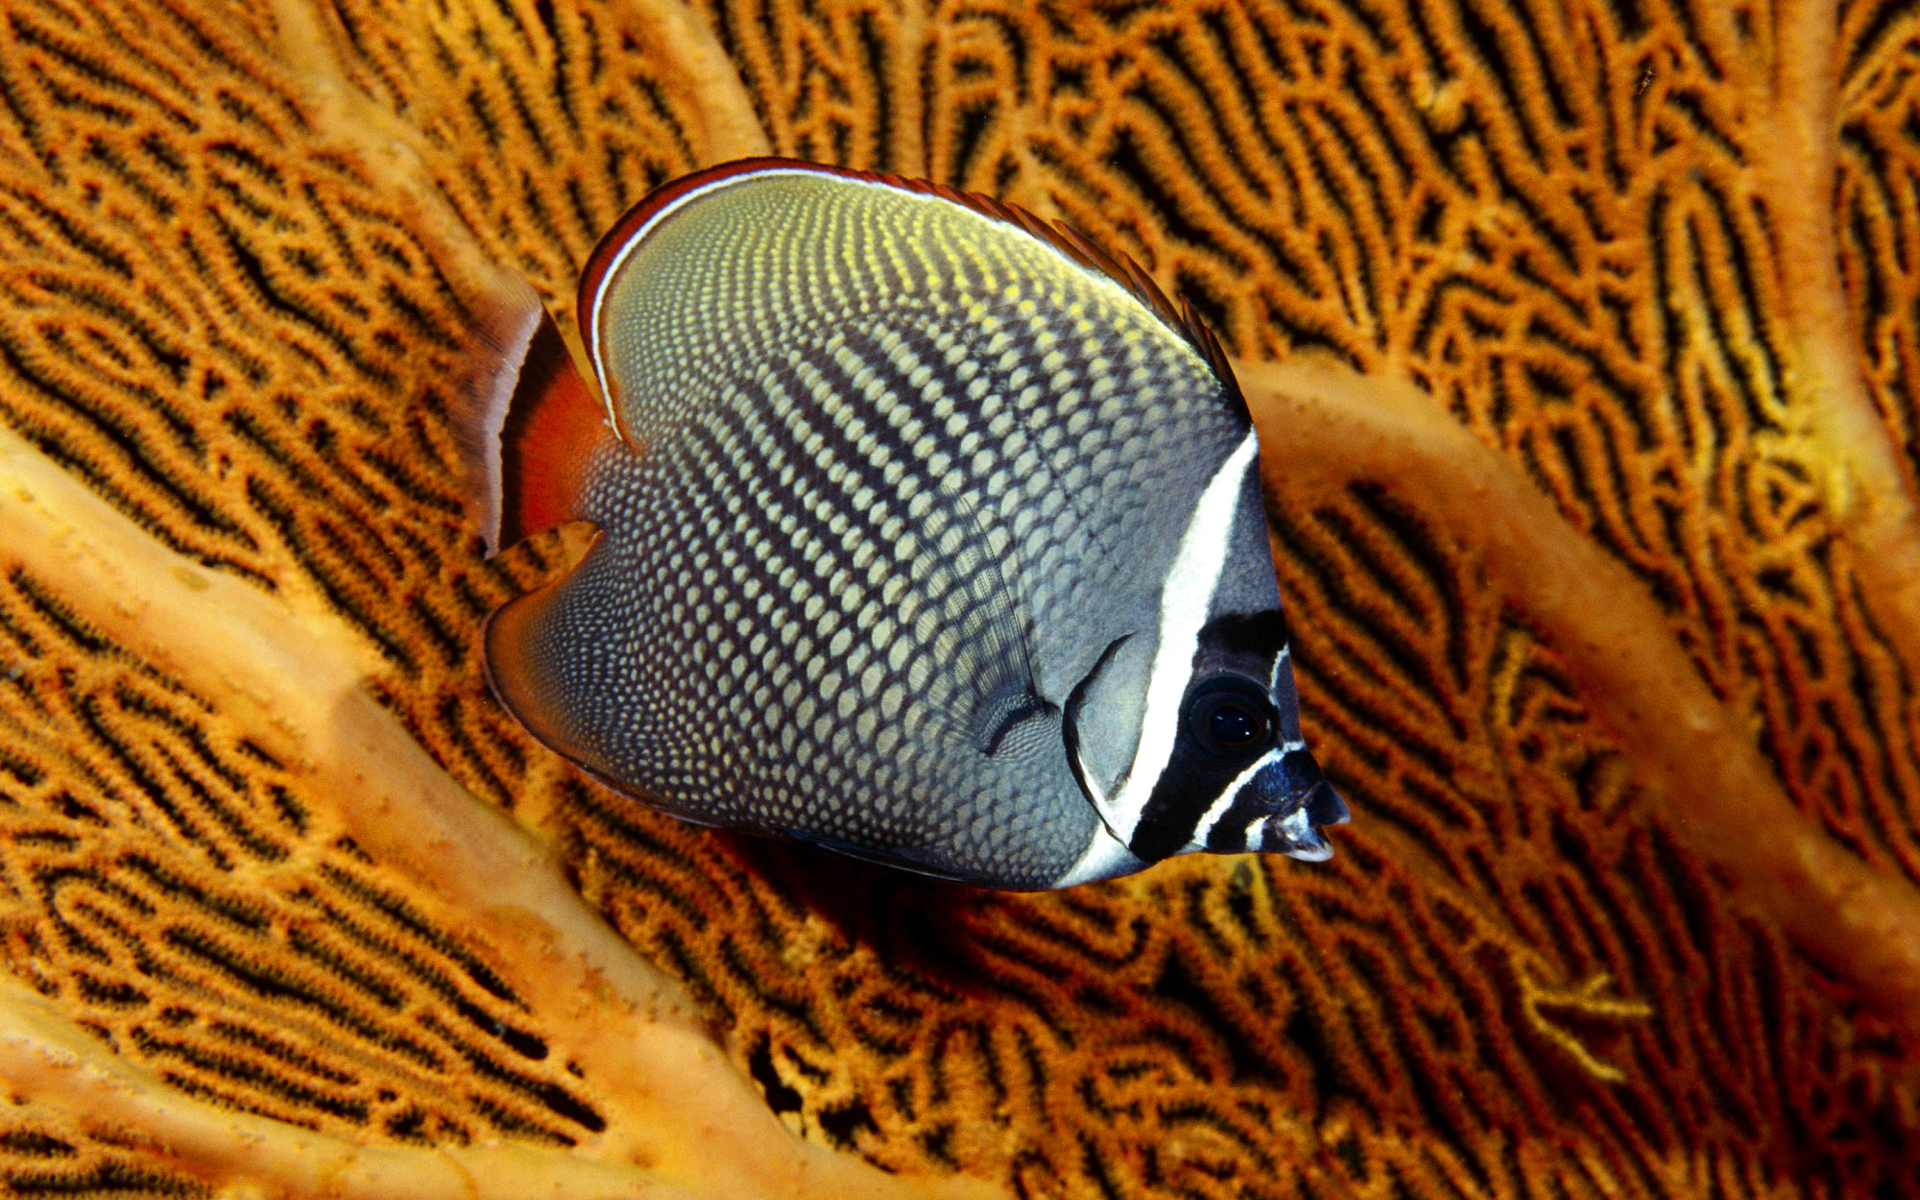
[
  {"x": 1324, "y": 428},
  {"x": 1865, "y": 485},
  {"x": 48, "y": 1063},
  {"x": 727, "y": 116}
]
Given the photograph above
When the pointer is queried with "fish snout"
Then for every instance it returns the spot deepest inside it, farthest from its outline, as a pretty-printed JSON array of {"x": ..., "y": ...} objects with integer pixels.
[{"x": 1306, "y": 803}]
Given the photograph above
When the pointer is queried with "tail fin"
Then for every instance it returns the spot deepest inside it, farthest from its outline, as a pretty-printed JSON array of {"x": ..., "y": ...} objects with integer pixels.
[{"x": 528, "y": 428}]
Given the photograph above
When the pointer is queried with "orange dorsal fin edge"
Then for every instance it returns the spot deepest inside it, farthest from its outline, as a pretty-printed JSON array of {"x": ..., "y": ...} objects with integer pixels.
[{"x": 529, "y": 428}]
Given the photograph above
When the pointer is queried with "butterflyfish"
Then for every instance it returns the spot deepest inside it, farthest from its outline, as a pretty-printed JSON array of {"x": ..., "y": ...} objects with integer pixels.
[{"x": 927, "y": 532}]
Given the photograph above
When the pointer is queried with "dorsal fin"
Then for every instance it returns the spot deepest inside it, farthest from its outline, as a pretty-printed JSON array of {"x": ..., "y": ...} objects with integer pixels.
[
  {"x": 528, "y": 428},
  {"x": 1121, "y": 268},
  {"x": 1062, "y": 237}
]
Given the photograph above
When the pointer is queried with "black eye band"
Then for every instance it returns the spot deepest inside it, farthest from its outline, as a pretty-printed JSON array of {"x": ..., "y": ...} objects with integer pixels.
[{"x": 1260, "y": 634}]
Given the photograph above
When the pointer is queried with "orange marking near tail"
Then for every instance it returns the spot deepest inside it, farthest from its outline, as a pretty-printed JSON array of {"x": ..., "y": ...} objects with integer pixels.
[{"x": 554, "y": 429}]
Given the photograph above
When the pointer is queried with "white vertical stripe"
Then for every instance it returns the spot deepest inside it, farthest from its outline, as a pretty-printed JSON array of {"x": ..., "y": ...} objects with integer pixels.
[
  {"x": 1105, "y": 857},
  {"x": 1223, "y": 803},
  {"x": 1185, "y": 600},
  {"x": 1273, "y": 678},
  {"x": 492, "y": 417}
]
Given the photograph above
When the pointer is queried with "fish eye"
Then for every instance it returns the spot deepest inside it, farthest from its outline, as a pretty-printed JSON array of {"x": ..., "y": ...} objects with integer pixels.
[{"x": 1230, "y": 718}]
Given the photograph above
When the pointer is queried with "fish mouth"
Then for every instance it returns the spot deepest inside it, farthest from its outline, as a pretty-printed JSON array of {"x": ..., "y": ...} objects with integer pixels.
[{"x": 1295, "y": 831}]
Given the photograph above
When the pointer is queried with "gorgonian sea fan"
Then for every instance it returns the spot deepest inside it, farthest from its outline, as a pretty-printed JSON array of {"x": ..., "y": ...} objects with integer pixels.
[{"x": 1638, "y": 274}]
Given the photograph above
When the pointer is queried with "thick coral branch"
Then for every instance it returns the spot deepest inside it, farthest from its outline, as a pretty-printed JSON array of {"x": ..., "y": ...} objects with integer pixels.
[
  {"x": 399, "y": 154},
  {"x": 289, "y": 677},
  {"x": 1324, "y": 428},
  {"x": 702, "y": 75},
  {"x": 1865, "y": 484},
  {"x": 731, "y": 125},
  {"x": 49, "y": 1064}
]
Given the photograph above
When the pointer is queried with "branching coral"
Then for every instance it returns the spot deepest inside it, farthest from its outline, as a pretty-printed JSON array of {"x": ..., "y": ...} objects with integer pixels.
[
  {"x": 1583, "y": 341},
  {"x": 53, "y": 1067},
  {"x": 1326, "y": 430},
  {"x": 286, "y": 681}
]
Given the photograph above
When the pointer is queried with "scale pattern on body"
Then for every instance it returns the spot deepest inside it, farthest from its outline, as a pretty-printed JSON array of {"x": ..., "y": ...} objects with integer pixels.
[{"x": 893, "y": 478}]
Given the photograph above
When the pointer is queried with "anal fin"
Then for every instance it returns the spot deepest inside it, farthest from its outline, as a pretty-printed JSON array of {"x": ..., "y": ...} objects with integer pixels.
[{"x": 521, "y": 638}]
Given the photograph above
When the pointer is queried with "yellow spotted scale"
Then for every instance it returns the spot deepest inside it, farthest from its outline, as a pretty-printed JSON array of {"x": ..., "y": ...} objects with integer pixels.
[{"x": 928, "y": 533}]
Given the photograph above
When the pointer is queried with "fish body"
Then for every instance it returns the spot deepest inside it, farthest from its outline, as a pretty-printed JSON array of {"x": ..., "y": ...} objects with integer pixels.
[{"x": 928, "y": 533}]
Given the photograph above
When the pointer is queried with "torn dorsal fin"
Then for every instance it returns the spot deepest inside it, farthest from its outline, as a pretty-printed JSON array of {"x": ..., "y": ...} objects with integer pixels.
[
  {"x": 1062, "y": 237},
  {"x": 529, "y": 428},
  {"x": 1081, "y": 249},
  {"x": 1210, "y": 349},
  {"x": 1184, "y": 319},
  {"x": 1120, "y": 268}
]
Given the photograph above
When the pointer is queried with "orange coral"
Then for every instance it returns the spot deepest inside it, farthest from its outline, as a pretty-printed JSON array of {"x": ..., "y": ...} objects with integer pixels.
[{"x": 1617, "y": 916}]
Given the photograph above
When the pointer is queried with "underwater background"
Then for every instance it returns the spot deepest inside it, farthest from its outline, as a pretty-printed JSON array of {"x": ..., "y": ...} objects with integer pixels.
[{"x": 1583, "y": 342}]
